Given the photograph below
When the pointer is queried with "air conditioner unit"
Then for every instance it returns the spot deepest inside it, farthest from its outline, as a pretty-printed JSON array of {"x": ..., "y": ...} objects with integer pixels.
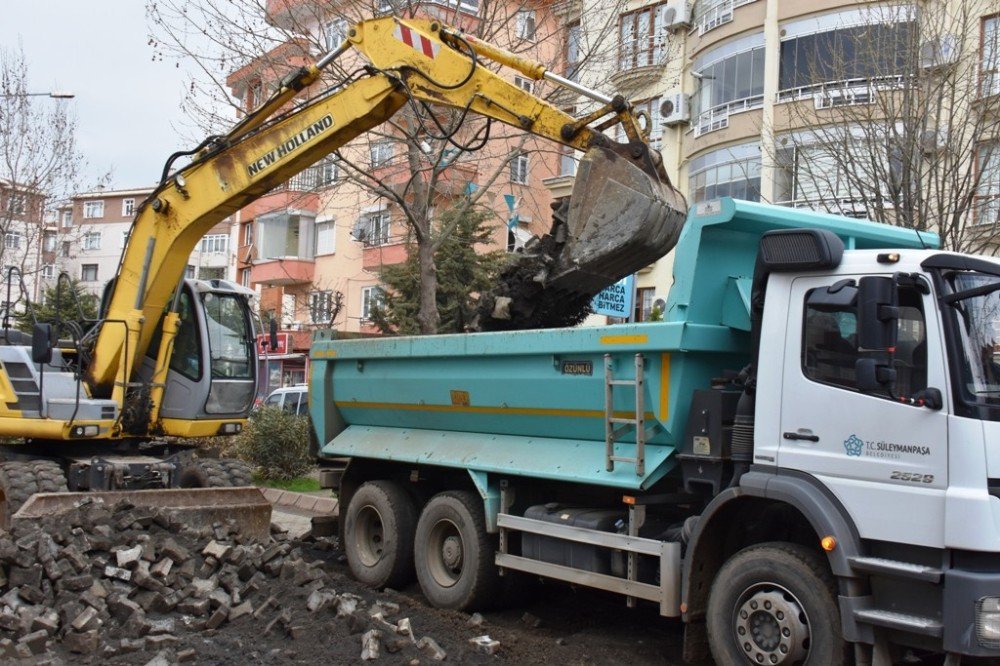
[
  {"x": 674, "y": 109},
  {"x": 677, "y": 15},
  {"x": 939, "y": 52}
]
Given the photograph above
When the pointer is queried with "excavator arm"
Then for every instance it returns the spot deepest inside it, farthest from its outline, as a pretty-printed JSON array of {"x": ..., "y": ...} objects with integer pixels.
[{"x": 410, "y": 60}]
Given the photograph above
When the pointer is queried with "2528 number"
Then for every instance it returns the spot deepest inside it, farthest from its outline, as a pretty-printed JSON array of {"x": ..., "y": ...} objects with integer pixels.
[{"x": 915, "y": 478}]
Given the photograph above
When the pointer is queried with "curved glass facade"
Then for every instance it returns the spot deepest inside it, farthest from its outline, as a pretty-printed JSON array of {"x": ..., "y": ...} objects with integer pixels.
[
  {"x": 728, "y": 172},
  {"x": 730, "y": 79}
]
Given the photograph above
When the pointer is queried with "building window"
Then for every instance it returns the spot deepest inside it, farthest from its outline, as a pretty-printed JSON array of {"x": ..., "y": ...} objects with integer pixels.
[
  {"x": 284, "y": 235},
  {"x": 17, "y": 203},
  {"x": 212, "y": 273},
  {"x": 990, "y": 65},
  {"x": 49, "y": 242},
  {"x": 870, "y": 51},
  {"x": 92, "y": 209},
  {"x": 325, "y": 237},
  {"x": 67, "y": 249},
  {"x": 328, "y": 172},
  {"x": 189, "y": 272},
  {"x": 334, "y": 33},
  {"x": 125, "y": 235},
  {"x": 523, "y": 83},
  {"x": 48, "y": 271},
  {"x": 371, "y": 298},
  {"x": 67, "y": 218},
  {"x": 987, "y": 208},
  {"x": 128, "y": 207},
  {"x": 12, "y": 240},
  {"x": 245, "y": 277},
  {"x": 88, "y": 272},
  {"x": 373, "y": 228},
  {"x": 573, "y": 51},
  {"x": 729, "y": 172},
  {"x": 248, "y": 233},
  {"x": 524, "y": 24},
  {"x": 643, "y": 303},
  {"x": 92, "y": 240},
  {"x": 321, "y": 307},
  {"x": 255, "y": 95},
  {"x": 642, "y": 37},
  {"x": 519, "y": 169},
  {"x": 380, "y": 153},
  {"x": 730, "y": 79},
  {"x": 215, "y": 244},
  {"x": 567, "y": 162}
]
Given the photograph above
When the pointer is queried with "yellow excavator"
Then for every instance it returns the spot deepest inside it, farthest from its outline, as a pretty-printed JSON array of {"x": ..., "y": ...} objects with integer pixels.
[{"x": 171, "y": 359}]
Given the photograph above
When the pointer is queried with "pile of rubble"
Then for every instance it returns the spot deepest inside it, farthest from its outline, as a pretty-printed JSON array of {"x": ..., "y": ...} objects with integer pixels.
[{"x": 107, "y": 581}]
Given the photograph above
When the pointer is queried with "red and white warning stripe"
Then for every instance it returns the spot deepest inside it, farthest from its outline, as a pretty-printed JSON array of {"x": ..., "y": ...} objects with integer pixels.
[{"x": 415, "y": 40}]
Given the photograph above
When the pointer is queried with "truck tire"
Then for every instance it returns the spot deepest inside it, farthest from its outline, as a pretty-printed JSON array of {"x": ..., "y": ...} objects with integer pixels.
[
  {"x": 775, "y": 603},
  {"x": 454, "y": 554},
  {"x": 220, "y": 473},
  {"x": 22, "y": 479},
  {"x": 378, "y": 535}
]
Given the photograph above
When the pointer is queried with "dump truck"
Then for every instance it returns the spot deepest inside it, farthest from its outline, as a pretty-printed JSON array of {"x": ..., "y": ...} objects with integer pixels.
[
  {"x": 113, "y": 405},
  {"x": 799, "y": 461}
]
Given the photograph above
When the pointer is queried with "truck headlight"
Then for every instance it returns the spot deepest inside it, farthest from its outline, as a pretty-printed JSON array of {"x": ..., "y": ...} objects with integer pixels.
[{"x": 988, "y": 622}]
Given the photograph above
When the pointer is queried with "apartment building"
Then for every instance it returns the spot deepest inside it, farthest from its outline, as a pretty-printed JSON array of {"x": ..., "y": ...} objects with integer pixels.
[
  {"x": 94, "y": 230},
  {"x": 884, "y": 111},
  {"x": 314, "y": 246},
  {"x": 28, "y": 243}
]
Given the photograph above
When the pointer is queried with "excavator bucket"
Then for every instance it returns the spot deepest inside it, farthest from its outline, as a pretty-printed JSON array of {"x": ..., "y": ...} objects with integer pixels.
[
  {"x": 619, "y": 219},
  {"x": 194, "y": 507}
]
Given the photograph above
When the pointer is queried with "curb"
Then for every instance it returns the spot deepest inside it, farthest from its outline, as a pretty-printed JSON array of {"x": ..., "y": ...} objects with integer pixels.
[{"x": 322, "y": 506}]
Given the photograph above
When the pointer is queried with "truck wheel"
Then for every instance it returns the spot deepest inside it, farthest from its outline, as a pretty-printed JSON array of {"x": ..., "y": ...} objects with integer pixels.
[
  {"x": 20, "y": 480},
  {"x": 774, "y": 603},
  {"x": 378, "y": 535},
  {"x": 454, "y": 554},
  {"x": 221, "y": 473}
]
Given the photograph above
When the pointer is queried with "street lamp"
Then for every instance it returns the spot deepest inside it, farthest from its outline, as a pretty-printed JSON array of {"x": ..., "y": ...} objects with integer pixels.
[{"x": 55, "y": 94}]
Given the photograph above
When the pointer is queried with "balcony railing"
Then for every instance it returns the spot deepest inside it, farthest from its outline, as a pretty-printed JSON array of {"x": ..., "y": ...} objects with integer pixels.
[
  {"x": 717, "y": 117},
  {"x": 720, "y": 14},
  {"x": 642, "y": 52}
]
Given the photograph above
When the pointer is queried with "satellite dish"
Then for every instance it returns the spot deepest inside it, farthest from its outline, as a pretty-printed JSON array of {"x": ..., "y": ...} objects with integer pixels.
[
  {"x": 660, "y": 304},
  {"x": 360, "y": 231}
]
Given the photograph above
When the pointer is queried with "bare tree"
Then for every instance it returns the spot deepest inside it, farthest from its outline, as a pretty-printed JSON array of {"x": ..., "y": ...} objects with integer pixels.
[
  {"x": 419, "y": 162},
  {"x": 894, "y": 120},
  {"x": 39, "y": 167}
]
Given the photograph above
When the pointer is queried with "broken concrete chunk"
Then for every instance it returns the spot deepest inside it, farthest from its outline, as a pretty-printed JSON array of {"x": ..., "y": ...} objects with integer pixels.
[
  {"x": 370, "y": 645},
  {"x": 82, "y": 642},
  {"x": 216, "y": 550},
  {"x": 117, "y": 573},
  {"x": 430, "y": 647},
  {"x": 128, "y": 557},
  {"x": 485, "y": 644}
]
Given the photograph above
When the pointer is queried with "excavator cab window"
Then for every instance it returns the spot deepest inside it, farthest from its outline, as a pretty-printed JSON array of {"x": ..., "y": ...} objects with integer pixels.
[
  {"x": 231, "y": 356},
  {"x": 186, "y": 357}
]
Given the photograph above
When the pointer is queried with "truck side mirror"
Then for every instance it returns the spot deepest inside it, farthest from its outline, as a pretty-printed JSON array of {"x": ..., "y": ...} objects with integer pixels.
[
  {"x": 870, "y": 375},
  {"x": 272, "y": 336},
  {"x": 41, "y": 343},
  {"x": 878, "y": 313}
]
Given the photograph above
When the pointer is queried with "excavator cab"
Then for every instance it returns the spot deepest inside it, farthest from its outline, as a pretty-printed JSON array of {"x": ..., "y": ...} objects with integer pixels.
[{"x": 213, "y": 370}]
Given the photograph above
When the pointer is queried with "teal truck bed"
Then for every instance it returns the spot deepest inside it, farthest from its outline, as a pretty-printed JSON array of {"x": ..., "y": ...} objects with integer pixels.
[{"x": 532, "y": 403}]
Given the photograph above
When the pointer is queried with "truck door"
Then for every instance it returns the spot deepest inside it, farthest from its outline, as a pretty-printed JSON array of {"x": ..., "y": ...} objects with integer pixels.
[{"x": 884, "y": 460}]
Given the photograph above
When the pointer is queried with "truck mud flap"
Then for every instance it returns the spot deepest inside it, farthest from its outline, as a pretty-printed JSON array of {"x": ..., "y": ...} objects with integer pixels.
[{"x": 195, "y": 507}]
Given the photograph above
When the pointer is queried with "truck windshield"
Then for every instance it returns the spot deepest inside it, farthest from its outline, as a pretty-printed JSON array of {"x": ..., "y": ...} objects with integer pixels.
[
  {"x": 976, "y": 302},
  {"x": 228, "y": 336}
]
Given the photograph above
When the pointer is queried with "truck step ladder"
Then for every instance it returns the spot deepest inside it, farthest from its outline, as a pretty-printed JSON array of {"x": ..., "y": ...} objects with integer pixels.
[{"x": 636, "y": 422}]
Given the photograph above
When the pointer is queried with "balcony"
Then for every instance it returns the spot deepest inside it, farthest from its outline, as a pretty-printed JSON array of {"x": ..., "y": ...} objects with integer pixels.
[
  {"x": 283, "y": 271},
  {"x": 641, "y": 63},
  {"x": 375, "y": 257}
]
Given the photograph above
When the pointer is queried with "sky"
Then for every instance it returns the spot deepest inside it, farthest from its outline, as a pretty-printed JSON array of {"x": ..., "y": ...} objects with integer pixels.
[{"x": 127, "y": 107}]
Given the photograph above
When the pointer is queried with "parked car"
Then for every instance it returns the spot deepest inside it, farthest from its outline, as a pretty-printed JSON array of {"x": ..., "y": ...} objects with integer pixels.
[{"x": 292, "y": 399}]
